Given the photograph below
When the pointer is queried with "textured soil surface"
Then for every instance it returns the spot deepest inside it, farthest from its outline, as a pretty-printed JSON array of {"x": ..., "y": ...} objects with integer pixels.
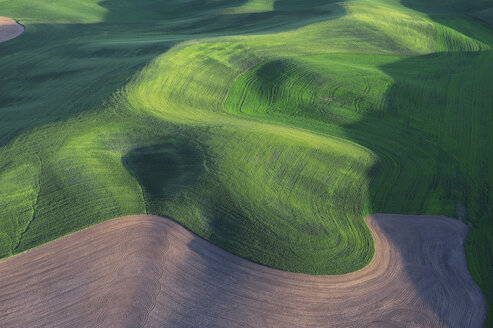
[
  {"x": 149, "y": 271},
  {"x": 9, "y": 29}
]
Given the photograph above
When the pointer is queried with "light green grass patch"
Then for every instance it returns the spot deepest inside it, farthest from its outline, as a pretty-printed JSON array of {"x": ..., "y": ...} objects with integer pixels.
[{"x": 252, "y": 6}]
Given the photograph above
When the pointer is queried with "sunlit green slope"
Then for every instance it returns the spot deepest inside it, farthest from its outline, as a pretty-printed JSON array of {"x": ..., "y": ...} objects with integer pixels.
[{"x": 271, "y": 128}]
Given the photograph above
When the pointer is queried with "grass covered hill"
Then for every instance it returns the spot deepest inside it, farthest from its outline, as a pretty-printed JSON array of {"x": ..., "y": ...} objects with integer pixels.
[{"x": 271, "y": 128}]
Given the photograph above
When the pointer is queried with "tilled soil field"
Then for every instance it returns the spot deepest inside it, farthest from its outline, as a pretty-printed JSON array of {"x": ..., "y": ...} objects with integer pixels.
[
  {"x": 9, "y": 29},
  {"x": 148, "y": 271}
]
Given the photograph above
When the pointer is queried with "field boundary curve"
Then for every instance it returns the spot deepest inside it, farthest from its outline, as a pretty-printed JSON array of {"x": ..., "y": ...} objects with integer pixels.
[{"x": 147, "y": 270}]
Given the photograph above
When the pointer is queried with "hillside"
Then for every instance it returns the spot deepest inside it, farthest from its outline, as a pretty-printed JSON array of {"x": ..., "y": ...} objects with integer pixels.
[{"x": 269, "y": 128}]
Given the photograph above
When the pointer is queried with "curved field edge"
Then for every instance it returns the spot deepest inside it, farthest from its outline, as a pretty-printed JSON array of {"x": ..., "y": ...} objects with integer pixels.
[
  {"x": 156, "y": 272},
  {"x": 184, "y": 97}
]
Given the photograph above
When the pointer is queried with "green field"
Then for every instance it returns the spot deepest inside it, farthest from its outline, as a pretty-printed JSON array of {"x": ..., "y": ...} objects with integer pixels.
[{"x": 269, "y": 127}]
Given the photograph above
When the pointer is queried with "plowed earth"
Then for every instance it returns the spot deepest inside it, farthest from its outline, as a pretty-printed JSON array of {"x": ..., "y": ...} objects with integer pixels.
[
  {"x": 149, "y": 271},
  {"x": 9, "y": 29}
]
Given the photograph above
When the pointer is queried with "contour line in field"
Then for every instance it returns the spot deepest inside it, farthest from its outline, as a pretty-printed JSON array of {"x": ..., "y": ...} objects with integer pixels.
[
  {"x": 9, "y": 29},
  {"x": 149, "y": 271}
]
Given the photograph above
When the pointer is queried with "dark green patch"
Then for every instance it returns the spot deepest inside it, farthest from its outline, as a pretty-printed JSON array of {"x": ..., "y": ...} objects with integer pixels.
[{"x": 164, "y": 169}]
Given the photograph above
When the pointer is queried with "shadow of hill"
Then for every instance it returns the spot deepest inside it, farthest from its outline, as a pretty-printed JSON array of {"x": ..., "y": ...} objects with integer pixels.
[
  {"x": 433, "y": 138},
  {"x": 53, "y": 72},
  {"x": 202, "y": 17},
  {"x": 164, "y": 169}
]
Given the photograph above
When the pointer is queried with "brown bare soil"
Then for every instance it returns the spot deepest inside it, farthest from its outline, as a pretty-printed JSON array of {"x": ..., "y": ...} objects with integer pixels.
[
  {"x": 9, "y": 29},
  {"x": 149, "y": 271}
]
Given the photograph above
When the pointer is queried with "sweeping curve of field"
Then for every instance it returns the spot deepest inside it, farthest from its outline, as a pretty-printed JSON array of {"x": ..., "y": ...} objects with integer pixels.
[
  {"x": 269, "y": 128},
  {"x": 149, "y": 271}
]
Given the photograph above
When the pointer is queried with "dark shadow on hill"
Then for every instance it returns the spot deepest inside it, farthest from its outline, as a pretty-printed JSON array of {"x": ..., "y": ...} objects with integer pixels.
[
  {"x": 164, "y": 169},
  {"x": 211, "y": 18},
  {"x": 57, "y": 71},
  {"x": 453, "y": 90},
  {"x": 433, "y": 137}
]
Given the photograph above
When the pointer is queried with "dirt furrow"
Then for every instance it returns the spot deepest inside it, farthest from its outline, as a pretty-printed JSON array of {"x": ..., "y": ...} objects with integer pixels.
[{"x": 149, "y": 271}]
